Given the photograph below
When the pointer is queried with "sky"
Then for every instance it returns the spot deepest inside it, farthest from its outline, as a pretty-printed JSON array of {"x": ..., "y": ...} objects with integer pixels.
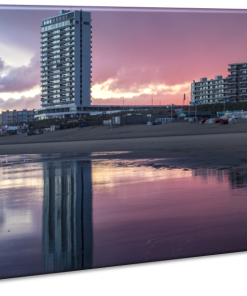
[{"x": 137, "y": 55}]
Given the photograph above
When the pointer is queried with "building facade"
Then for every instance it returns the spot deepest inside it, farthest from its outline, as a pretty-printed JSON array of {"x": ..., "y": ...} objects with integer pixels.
[
  {"x": 16, "y": 117},
  {"x": 220, "y": 90},
  {"x": 65, "y": 65}
]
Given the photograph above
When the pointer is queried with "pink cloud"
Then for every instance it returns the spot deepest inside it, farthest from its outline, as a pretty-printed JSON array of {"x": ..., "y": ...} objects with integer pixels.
[
  {"x": 138, "y": 48},
  {"x": 143, "y": 99},
  {"x": 22, "y": 103}
]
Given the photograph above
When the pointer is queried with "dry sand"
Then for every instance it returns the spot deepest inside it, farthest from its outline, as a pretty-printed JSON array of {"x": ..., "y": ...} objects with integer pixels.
[{"x": 189, "y": 145}]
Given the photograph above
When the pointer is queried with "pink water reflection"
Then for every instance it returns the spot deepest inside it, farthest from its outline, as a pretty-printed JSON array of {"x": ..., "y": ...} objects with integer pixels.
[
  {"x": 180, "y": 214},
  {"x": 60, "y": 215}
]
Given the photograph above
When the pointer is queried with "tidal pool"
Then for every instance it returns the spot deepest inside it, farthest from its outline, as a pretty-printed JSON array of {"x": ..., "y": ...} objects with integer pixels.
[{"x": 61, "y": 214}]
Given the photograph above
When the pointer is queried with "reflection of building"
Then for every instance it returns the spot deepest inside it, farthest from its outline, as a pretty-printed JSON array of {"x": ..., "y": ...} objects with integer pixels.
[
  {"x": 67, "y": 216},
  {"x": 238, "y": 179},
  {"x": 206, "y": 173}
]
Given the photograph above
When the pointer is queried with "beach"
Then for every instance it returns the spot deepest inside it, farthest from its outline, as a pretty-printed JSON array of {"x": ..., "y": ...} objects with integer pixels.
[{"x": 184, "y": 144}]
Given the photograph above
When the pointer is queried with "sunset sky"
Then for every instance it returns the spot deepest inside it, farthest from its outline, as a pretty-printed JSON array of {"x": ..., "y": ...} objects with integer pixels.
[{"x": 136, "y": 55}]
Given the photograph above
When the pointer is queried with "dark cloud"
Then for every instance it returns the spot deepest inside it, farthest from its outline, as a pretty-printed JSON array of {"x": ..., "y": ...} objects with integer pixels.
[
  {"x": 21, "y": 78},
  {"x": 22, "y": 103}
]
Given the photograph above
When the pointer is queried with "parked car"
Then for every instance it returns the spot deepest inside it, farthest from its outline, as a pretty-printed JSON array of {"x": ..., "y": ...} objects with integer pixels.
[
  {"x": 203, "y": 120},
  {"x": 224, "y": 121}
]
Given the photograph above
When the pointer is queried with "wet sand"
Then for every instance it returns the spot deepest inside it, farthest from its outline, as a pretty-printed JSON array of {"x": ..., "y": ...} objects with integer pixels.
[{"x": 188, "y": 145}]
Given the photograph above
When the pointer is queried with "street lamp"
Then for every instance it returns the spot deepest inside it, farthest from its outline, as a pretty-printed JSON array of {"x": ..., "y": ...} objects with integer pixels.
[{"x": 189, "y": 112}]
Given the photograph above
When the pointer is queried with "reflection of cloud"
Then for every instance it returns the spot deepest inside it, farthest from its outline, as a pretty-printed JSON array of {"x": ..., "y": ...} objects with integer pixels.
[
  {"x": 2, "y": 214},
  {"x": 110, "y": 174},
  {"x": 18, "y": 221}
]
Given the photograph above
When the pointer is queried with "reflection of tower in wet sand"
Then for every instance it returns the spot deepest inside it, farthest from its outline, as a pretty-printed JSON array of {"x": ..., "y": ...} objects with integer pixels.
[{"x": 67, "y": 221}]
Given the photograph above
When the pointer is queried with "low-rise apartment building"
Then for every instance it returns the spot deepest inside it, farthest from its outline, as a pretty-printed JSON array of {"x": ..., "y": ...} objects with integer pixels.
[
  {"x": 15, "y": 117},
  {"x": 220, "y": 90}
]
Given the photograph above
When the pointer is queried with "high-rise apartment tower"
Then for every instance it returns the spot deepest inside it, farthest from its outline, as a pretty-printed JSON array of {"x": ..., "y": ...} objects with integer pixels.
[{"x": 65, "y": 65}]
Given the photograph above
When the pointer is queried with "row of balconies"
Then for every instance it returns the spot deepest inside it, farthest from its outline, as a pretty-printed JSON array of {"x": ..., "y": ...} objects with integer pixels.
[
  {"x": 50, "y": 75},
  {"x": 232, "y": 81},
  {"x": 55, "y": 91},
  {"x": 213, "y": 96},
  {"x": 242, "y": 85},
  {"x": 62, "y": 91},
  {"x": 57, "y": 78},
  {"x": 209, "y": 83},
  {"x": 61, "y": 76},
  {"x": 54, "y": 32},
  {"x": 60, "y": 38},
  {"x": 209, "y": 88},
  {"x": 213, "y": 92},
  {"x": 57, "y": 61},
  {"x": 57, "y": 103},
  {"x": 62, "y": 53},
  {"x": 57, "y": 83},
  {"x": 238, "y": 67},
  {"x": 63, "y": 97},
  {"x": 58, "y": 66},
  {"x": 61, "y": 49},
  {"x": 15, "y": 113},
  {"x": 239, "y": 74},
  {"x": 59, "y": 110},
  {"x": 62, "y": 81},
  {"x": 60, "y": 71},
  {"x": 47, "y": 47},
  {"x": 51, "y": 60}
]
